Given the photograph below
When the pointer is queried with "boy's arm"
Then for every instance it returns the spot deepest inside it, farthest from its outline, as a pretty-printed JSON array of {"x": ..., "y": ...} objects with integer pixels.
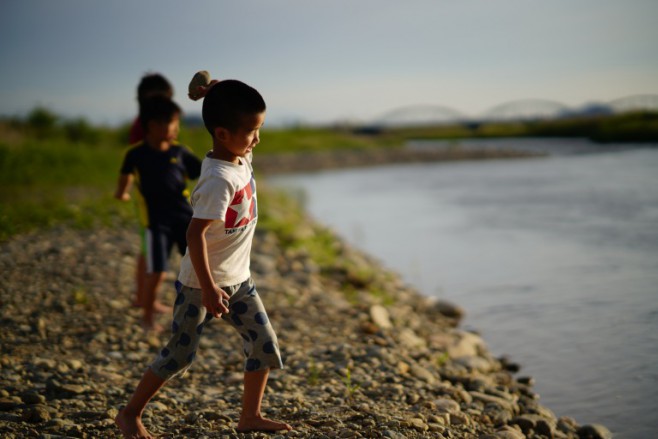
[
  {"x": 212, "y": 295},
  {"x": 123, "y": 187}
]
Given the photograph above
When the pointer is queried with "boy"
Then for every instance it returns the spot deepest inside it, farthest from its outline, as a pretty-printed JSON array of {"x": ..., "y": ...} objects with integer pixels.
[
  {"x": 215, "y": 280},
  {"x": 161, "y": 169},
  {"x": 151, "y": 84}
]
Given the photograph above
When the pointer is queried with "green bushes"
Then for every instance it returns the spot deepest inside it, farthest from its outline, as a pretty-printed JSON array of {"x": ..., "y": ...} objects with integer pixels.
[{"x": 42, "y": 124}]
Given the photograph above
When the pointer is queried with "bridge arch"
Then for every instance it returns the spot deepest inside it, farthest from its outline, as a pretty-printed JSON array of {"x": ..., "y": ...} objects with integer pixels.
[
  {"x": 526, "y": 109},
  {"x": 636, "y": 102},
  {"x": 419, "y": 115}
]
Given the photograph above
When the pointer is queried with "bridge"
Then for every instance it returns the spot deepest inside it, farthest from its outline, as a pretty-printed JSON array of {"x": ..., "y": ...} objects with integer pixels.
[
  {"x": 635, "y": 102},
  {"x": 420, "y": 115},
  {"x": 519, "y": 110}
]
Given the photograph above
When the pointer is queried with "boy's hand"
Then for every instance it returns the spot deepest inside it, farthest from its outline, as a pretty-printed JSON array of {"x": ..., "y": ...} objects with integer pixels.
[
  {"x": 122, "y": 191},
  {"x": 201, "y": 91},
  {"x": 124, "y": 196},
  {"x": 215, "y": 301}
]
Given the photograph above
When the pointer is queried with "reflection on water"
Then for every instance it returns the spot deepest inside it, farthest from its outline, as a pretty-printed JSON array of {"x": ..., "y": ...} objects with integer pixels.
[{"x": 555, "y": 260}]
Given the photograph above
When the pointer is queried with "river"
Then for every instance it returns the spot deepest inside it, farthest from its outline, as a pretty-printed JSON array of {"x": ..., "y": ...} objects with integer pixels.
[{"x": 554, "y": 259}]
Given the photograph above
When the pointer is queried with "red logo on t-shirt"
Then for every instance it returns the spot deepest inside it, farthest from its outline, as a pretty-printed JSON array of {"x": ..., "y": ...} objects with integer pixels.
[{"x": 242, "y": 209}]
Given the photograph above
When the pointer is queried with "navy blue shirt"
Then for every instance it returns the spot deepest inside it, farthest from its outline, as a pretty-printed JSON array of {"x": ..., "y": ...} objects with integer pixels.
[{"x": 161, "y": 177}]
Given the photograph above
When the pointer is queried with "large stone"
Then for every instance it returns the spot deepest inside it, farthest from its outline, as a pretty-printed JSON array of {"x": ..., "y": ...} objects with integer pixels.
[
  {"x": 466, "y": 344},
  {"x": 380, "y": 317},
  {"x": 489, "y": 399},
  {"x": 508, "y": 432},
  {"x": 423, "y": 374},
  {"x": 409, "y": 339},
  {"x": 37, "y": 413},
  {"x": 445, "y": 405},
  {"x": 536, "y": 423},
  {"x": 9, "y": 403},
  {"x": 418, "y": 424},
  {"x": 472, "y": 363},
  {"x": 449, "y": 309},
  {"x": 594, "y": 431},
  {"x": 567, "y": 425},
  {"x": 32, "y": 397}
]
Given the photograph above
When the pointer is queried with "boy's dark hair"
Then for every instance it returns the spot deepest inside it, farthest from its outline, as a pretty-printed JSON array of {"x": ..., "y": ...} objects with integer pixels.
[
  {"x": 227, "y": 102},
  {"x": 159, "y": 109},
  {"x": 152, "y": 84}
]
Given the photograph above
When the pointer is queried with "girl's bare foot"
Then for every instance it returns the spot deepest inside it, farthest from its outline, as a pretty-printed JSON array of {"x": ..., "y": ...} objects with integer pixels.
[
  {"x": 261, "y": 424},
  {"x": 131, "y": 426}
]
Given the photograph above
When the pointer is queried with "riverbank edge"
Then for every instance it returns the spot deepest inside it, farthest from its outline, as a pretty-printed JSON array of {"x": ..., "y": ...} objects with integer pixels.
[{"x": 270, "y": 164}]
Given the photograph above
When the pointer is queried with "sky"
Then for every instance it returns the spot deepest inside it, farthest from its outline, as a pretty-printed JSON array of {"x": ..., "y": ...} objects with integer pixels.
[{"x": 324, "y": 62}]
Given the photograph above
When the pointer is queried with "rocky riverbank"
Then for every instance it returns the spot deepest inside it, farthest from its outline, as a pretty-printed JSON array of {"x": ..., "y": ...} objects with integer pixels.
[{"x": 366, "y": 356}]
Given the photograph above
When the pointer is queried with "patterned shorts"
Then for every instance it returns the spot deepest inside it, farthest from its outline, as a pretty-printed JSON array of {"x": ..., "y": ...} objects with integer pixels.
[{"x": 246, "y": 314}]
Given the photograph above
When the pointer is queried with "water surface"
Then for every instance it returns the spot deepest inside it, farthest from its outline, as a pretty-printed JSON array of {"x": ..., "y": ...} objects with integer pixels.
[{"x": 554, "y": 259}]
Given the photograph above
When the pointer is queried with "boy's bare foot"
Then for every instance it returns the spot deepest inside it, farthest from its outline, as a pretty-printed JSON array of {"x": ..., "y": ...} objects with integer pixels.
[
  {"x": 131, "y": 426},
  {"x": 160, "y": 308},
  {"x": 153, "y": 327},
  {"x": 261, "y": 424}
]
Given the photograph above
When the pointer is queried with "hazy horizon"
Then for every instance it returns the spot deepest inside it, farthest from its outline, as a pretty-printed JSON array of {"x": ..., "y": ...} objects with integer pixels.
[{"x": 322, "y": 63}]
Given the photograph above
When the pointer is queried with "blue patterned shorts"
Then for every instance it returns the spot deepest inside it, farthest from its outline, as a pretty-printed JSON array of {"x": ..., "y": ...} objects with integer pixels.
[{"x": 246, "y": 314}]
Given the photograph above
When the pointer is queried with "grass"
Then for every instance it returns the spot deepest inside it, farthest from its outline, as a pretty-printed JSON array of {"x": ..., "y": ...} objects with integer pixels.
[
  {"x": 294, "y": 140},
  {"x": 317, "y": 139},
  {"x": 350, "y": 386},
  {"x": 313, "y": 378},
  {"x": 51, "y": 180},
  {"x": 442, "y": 359}
]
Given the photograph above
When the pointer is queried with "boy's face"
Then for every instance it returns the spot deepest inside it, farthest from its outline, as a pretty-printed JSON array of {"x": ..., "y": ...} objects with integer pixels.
[
  {"x": 242, "y": 141},
  {"x": 162, "y": 131}
]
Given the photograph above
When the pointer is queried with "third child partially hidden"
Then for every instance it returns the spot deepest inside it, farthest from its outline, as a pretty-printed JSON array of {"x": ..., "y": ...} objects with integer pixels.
[{"x": 215, "y": 281}]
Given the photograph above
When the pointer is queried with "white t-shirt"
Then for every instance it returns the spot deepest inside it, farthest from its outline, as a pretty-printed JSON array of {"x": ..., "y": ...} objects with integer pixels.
[{"x": 226, "y": 193}]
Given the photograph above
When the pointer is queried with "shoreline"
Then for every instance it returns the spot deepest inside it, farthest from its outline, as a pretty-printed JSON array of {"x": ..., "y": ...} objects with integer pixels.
[
  {"x": 365, "y": 354},
  {"x": 271, "y": 164}
]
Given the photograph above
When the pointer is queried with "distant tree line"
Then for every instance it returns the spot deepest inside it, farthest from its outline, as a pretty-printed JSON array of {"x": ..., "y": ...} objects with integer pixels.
[
  {"x": 42, "y": 123},
  {"x": 639, "y": 126}
]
